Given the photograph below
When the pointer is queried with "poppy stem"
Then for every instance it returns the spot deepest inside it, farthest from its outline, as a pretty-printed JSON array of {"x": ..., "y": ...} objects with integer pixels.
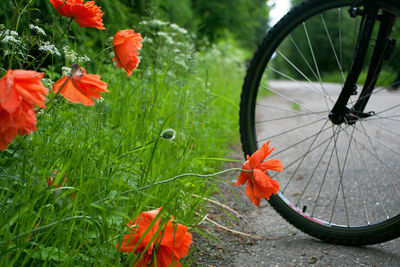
[
  {"x": 177, "y": 177},
  {"x": 185, "y": 175}
]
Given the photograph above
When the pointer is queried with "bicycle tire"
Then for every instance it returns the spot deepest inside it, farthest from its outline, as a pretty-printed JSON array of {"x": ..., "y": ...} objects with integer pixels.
[{"x": 364, "y": 233}]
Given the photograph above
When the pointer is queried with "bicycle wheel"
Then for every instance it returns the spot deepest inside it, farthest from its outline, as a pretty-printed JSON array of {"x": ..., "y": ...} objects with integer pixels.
[{"x": 341, "y": 182}]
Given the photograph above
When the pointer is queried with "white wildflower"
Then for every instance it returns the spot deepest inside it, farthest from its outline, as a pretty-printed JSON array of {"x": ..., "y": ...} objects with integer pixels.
[
  {"x": 49, "y": 48},
  {"x": 83, "y": 59},
  {"x": 157, "y": 22},
  {"x": 10, "y": 39},
  {"x": 181, "y": 63},
  {"x": 166, "y": 36},
  {"x": 70, "y": 54},
  {"x": 37, "y": 29},
  {"x": 147, "y": 40},
  {"x": 47, "y": 82},
  {"x": 11, "y": 33},
  {"x": 143, "y": 23},
  {"x": 177, "y": 28},
  {"x": 66, "y": 71}
]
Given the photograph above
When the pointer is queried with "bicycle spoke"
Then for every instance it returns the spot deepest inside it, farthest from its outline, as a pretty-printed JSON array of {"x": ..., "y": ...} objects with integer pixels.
[
  {"x": 291, "y": 64},
  {"x": 316, "y": 64},
  {"x": 384, "y": 165},
  {"x": 340, "y": 184},
  {"x": 340, "y": 42},
  {"x": 377, "y": 140},
  {"x": 371, "y": 180},
  {"x": 360, "y": 189},
  {"x": 301, "y": 141},
  {"x": 389, "y": 118},
  {"x": 308, "y": 150},
  {"x": 381, "y": 127},
  {"x": 289, "y": 117},
  {"x": 372, "y": 153},
  {"x": 312, "y": 175},
  {"x": 288, "y": 110},
  {"x": 287, "y": 98},
  {"x": 389, "y": 108},
  {"x": 325, "y": 174},
  {"x": 302, "y": 56},
  {"x": 316, "y": 90},
  {"x": 331, "y": 44},
  {"x": 290, "y": 130}
]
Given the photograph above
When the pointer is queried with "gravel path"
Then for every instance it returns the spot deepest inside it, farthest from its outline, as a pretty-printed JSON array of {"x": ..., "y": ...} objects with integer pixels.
[{"x": 280, "y": 244}]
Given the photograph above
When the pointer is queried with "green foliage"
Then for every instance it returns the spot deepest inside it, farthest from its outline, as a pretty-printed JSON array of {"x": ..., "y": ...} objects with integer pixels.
[
  {"x": 68, "y": 190},
  {"x": 245, "y": 20}
]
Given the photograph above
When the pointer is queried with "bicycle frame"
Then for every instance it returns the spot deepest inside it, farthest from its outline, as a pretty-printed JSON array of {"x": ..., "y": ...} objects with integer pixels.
[{"x": 383, "y": 48}]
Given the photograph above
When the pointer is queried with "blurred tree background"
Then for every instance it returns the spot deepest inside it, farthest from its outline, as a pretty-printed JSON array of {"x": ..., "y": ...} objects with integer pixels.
[{"x": 211, "y": 20}]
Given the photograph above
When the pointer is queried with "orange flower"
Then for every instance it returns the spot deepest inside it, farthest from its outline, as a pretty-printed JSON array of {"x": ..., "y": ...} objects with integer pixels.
[
  {"x": 174, "y": 244},
  {"x": 170, "y": 243},
  {"x": 126, "y": 43},
  {"x": 86, "y": 15},
  {"x": 80, "y": 87},
  {"x": 138, "y": 228},
  {"x": 260, "y": 185},
  {"x": 20, "y": 91}
]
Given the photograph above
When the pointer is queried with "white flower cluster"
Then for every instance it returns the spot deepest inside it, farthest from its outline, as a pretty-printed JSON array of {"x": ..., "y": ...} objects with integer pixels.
[
  {"x": 10, "y": 37},
  {"x": 66, "y": 71},
  {"x": 147, "y": 40},
  {"x": 178, "y": 29},
  {"x": 47, "y": 82},
  {"x": 49, "y": 48},
  {"x": 154, "y": 22},
  {"x": 166, "y": 36},
  {"x": 83, "y": 59},
  {"x": 37, "y": 29},
  {"x": 70, "y": 54}
]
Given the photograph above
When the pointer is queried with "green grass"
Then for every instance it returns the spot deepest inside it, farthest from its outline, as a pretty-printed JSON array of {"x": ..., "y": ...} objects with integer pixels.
[{"x": 109, "y": 155}]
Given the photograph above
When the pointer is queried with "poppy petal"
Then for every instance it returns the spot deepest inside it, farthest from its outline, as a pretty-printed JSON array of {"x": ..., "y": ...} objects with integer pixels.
[
  {"x": 81, "y": 87},
  {"x": 244, "y": 176},
  {"x": 260, "y": 155},
  {"x": 125, "y": 46},
  {"x": 272, "y": 164}
]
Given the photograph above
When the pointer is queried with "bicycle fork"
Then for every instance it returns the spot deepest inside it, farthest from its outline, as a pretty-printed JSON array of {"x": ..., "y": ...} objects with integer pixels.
[{"x": 383, "y": 48}]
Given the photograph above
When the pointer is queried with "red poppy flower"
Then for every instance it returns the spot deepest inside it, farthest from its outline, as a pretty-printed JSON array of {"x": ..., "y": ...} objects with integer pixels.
[
  {"x": 260, "y": 185},
  {"x": 126, "y": 43},
  {"x": 86, "y": 15},
  {"x": 174, "y": 244},
  {"x": 20, "y": 91},
  {"x": 81, "y": 87},
  {"x": 138, "y": 228},
  {"x": 169, "y": 244}
]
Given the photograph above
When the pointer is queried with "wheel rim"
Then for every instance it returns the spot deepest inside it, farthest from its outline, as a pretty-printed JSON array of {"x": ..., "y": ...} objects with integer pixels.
[{"x": 341, "y": 175}]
